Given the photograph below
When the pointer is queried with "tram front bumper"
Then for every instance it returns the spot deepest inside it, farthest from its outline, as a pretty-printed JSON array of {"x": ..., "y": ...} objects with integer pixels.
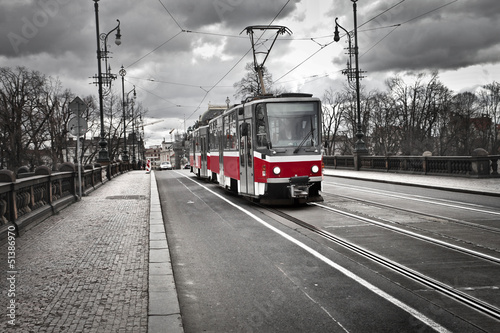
[{"x": 299, "y": 187}]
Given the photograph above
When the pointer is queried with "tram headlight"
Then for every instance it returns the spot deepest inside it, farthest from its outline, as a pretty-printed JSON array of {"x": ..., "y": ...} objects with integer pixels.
[
  {"x": 315, "y": 169},
  {"x": 276, "y": 170}
]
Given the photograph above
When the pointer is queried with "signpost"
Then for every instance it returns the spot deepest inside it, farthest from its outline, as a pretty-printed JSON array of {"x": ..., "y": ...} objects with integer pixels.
[{"x": 78, "y": 126}]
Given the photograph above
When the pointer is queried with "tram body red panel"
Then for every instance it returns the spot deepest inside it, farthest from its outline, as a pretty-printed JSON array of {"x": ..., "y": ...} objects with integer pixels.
[
  {"x": 213, "y": 163},
  {"x": 232, "y": 166},
  {"x": 197, "y": 163},
  {"x": 263, "y": 169}
]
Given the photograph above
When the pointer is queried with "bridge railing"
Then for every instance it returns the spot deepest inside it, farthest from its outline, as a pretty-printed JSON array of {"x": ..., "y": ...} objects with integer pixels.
[
  {"x": 27, "y": 197},
  {"x": 462, "y": 166}
]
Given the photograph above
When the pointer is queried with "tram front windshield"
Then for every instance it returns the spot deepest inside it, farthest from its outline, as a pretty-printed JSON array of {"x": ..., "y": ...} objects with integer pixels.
[{"x": 293, "y": 124}]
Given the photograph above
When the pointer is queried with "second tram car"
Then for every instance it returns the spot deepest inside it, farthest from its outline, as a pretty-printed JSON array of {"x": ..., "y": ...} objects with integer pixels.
[{"x": 267, "y": 149}]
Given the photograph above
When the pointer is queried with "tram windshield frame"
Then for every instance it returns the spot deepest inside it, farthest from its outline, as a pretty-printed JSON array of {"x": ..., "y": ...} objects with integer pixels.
[{"x": 290, "y": 124}]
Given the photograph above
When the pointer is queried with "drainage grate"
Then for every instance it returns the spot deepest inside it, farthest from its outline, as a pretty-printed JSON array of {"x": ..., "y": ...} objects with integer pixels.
[{"x": 128, "y": 197}]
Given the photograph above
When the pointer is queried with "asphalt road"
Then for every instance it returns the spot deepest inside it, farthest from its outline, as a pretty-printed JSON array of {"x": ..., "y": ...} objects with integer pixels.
[{"x": 239, "y": 269}]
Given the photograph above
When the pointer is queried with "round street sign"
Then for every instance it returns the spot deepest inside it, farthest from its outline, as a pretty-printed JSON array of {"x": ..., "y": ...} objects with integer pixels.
[{"x": 76, "y": 123}]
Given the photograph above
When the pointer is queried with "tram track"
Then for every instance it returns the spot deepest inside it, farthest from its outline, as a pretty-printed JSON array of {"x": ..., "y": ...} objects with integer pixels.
[
  {"x": 412, "y": 211},
  {"x": 432, "y": 240},
  {"x": 425, "y": 200},
  {"x": 459, "y": 296}
]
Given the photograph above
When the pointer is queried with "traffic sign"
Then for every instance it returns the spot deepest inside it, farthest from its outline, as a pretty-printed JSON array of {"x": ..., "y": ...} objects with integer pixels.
[
  {"x": 77, "y": 106},
  {"x": 77, "y": 126}
]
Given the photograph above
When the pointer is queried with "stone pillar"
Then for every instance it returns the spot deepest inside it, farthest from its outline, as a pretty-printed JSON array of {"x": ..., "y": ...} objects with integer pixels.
[{"x": 480, "y": 163}]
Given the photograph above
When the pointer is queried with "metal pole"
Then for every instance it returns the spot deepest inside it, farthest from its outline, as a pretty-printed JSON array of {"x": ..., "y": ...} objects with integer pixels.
[
  {"x": 133, "y": 135},
  {"x": 360, "y": 147},
  {"x": 124, "y": 154},
  {"x": 103, "y": 153},
  {"x": 78, "y": 158}
]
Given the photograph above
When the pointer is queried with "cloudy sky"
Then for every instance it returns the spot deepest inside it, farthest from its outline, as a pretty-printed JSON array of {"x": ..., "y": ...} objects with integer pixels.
[{"x": 184, "y": 54}]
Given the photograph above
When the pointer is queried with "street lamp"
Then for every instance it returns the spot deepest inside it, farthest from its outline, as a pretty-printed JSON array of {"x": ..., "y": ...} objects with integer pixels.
[
  {"x": 133, "y": 98},
  {"x": 103, "y": 153},
  {"x": 122, "y": 73},
  {"x": 228, "y": 101},
  {"x": 132, "y": 116},
  {"x": 360, "y": 147}
]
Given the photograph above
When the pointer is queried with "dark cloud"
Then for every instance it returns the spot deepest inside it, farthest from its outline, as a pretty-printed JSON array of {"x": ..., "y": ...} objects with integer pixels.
[
  {"x": 233, "y": 14},
  {"x": 458, "y": 35}
]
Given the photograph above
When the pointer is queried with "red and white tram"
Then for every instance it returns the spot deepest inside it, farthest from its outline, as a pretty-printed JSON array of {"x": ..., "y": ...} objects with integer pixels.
[{"x": 267, "y": 149}]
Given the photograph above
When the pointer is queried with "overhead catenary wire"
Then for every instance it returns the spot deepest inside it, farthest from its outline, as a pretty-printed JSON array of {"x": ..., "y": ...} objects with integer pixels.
[
  {"x": 394, "y": 26},
  {"x": 169, "y": 13},
  {"x": 208, "y": 89},
  {"x": 241, "y": 59}
]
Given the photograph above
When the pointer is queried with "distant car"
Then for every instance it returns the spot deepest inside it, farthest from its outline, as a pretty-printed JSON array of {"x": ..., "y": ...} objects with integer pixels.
[
  {"x": 187, "y": 166},
  {"x": 165, "y": 166}
]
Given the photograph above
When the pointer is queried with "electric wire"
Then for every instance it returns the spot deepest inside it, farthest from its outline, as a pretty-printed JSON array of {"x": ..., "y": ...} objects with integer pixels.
[
  {"x": 382, "y": 13},
  {"x": 322, "y": 46},
  {"x": 147, "y": 54},
  {"x": 395, "y": 26},
  {"x": 234, "y": 66},
  {"x": 173, "y": 18}
]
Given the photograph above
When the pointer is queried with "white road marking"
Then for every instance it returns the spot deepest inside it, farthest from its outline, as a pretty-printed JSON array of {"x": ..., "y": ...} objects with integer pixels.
[
  {"x": 417, "y": 198},
  {"x": 415, "y": 313}
]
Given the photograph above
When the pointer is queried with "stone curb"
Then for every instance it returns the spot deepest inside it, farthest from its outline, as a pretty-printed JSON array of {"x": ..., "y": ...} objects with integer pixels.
[
  {"x": 409, "y": 182},
  {"x": 163, "y": 311}
]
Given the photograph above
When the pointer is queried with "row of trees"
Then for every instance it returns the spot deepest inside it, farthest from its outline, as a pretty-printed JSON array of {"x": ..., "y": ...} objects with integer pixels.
[
  {"x": 34, "y": 116},
  {"x": 413, "y": 116},
  {"x": 408, "y": 118}
]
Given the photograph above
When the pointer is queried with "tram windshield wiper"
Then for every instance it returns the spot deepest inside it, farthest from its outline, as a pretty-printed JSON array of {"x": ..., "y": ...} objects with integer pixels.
[
  {"x": 305, "y": 138},
  {"x": 303, "y": 141}
]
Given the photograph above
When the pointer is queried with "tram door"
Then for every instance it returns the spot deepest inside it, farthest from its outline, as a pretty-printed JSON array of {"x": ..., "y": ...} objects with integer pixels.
[
  {"x": 204, "y": 148},
  {"x": 246, "y": 157}
]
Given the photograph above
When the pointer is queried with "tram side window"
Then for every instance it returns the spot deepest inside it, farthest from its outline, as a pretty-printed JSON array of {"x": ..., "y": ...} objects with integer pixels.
[
  {"x": 261, "y": 125},
  {"x": 197, "y": 143},
  {"x": 213, "y": 139},
  {"x": 230, "y": 131},
  {"x": 219, "y": 134}
]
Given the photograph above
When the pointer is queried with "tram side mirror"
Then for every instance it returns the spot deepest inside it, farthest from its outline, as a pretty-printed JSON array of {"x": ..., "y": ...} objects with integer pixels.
[{"x": 244, "y": 129}]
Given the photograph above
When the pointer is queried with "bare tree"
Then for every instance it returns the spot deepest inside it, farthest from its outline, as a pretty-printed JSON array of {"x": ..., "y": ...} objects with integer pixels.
[
  {"x": 464, "y": 109},
  {"x": 386, "y": 135},
  {"x": 489, "y": 99},
  {"x": 416, "y": 112},
  {"x": 250, "y": 84},
  {"x": 333, "y": 115},
  {"x": 21, "y": 123}
]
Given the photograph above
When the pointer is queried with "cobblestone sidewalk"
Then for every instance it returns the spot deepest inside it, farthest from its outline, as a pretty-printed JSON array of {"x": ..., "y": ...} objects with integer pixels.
[{"x": 85, "y": 269}]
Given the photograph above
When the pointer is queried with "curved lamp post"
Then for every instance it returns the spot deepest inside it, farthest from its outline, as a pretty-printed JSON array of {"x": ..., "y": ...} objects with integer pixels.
[
  {"x": 133, "y": 98},
  {"x": 103, "y": 153},
  {"x": 360, "y": 147},
  {"x": 122, "y": 73}
]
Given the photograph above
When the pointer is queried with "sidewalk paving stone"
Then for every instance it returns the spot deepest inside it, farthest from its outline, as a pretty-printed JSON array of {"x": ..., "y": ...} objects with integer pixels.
[{"x": 86, "y": 269}]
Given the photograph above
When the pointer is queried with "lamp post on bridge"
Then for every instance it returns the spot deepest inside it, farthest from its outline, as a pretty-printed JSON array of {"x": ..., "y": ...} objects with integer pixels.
[
  {"x": 360, "y": 147},
  {"x": 122, "y": 73},
  {"x": 126, "y": 101},
  {"x": 103, "y": 153}
]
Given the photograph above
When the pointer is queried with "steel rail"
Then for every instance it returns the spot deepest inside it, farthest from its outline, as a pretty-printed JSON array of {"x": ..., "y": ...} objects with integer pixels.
[
  {"x": 457, "y": 221},
  {"x": 445, "y": 289},
  {"x": 414, "y": 234}
]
